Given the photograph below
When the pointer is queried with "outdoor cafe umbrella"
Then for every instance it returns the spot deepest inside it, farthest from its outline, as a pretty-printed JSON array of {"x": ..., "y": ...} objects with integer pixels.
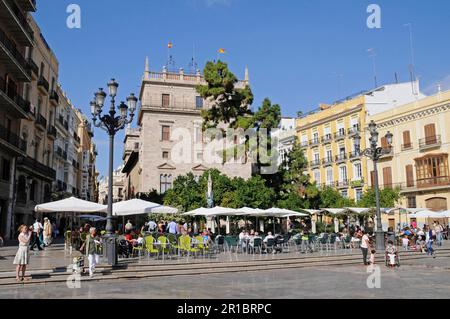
[
  {"x": 430, "y": 214},
  {"x": 140, "y": 207},
  {"x": 93, "y": 218},
  {"x": 71, "y": 204},
  {"x": 212, "y": 212},
  {"x": 313, "y": 222}
]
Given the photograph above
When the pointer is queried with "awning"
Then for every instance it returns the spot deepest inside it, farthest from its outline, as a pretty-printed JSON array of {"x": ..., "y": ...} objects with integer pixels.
[
  {"x": 71, "y": 204},
  {"x": 140, "y": 207},
  {"x": 335, "y": 211}
]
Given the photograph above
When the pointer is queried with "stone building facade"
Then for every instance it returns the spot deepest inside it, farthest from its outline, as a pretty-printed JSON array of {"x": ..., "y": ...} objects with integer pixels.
[{"x": 169, "y": 140}]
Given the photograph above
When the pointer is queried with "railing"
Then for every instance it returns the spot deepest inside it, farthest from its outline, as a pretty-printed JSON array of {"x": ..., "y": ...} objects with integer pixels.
[
  {"x": 342, "y": 184},
  {"x": 341, "y": 157},
  {"x": 41, "y": 120},
  {"x": 339, "y": 134},
  {"x": 314, "y": 141},
  {"x": 354, "y": 154},
  {"x": 12, "y": 139},
  {"x": 388, "y": 152},
  {"x": 76, "y": 137},
  {"x": 327, "y": 161},
  {"x": 315, "y": 163},
  {"x": 13, "y": 50},
  {"x": 353, "y": 130},
  {"x": 34, "y": 165},
  {"x": 22, "y": 19},
  {"x": 327, "y": 138},
  {"x": 430, "y": 141},
  {"x": 32, "y": 66},
  {"x": 357, "y": 183},
  {"x": 54, "y": 96},
  {"x": 42, "y": 82},
  {"x": 304, "y": 144},
  {"x": 20, "y": 101},
  {"x": 407, "y": 146},
  {"x": 433, "y": 181},
  {"x": 51, "y": 131}
]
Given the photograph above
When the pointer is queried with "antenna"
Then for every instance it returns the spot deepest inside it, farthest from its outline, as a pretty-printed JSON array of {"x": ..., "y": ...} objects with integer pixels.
[
  {"x": 372, "y": 55},
  {"x": 170, "y": 65},
  {"x": 193, "y": 66},
  {"x": 412, "y": 65},
  {"x": 396, "y": 78}
]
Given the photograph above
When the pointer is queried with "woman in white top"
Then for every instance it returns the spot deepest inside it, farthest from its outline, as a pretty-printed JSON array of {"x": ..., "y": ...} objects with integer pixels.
[{"x": 22, "y": 256}]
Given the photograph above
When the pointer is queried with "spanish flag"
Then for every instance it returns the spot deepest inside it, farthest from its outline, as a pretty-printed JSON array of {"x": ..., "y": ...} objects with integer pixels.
[
  {"x": 221, "y": 51},
  {"x": 169, "y": 45}
]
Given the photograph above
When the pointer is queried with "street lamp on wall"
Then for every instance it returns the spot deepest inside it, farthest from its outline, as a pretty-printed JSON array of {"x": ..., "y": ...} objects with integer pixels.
[
  {"x": 374, "y": 152},
  {"x": 111, "y": 123}
]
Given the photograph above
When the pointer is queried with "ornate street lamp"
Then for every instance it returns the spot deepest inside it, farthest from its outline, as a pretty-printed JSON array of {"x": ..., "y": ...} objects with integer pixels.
[
  {"x": 111, "y": 124},
  {"x": 375, "y": 153}
]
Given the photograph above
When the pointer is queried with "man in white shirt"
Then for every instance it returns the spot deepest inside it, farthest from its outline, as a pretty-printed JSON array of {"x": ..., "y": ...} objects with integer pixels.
[
  {"x": 37, "y": 229},
  {"x": 152, "y": 226},
  {"x": 269, "y": 236},
  {"x": 172, "y": 227},
  {"x": 365, "y": 244}
]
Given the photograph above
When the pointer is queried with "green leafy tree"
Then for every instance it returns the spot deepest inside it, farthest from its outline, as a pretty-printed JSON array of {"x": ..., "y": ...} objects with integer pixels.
[
  {"x": 230, "y": 104},
  {"x": 186, "y": 194},
  {"x": 332, "y": 198},
  {"x": 388, "y": 198}
]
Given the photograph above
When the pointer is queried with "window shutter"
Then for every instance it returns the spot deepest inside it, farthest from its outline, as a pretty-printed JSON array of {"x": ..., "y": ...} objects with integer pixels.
[
  {"x": 384, "y": 143},
  {"x": 406, "y": 139},
  {"x": 409, "y": 176},
  {"x": 430, "y": 134},
  {"x": 387, "y": 177}
]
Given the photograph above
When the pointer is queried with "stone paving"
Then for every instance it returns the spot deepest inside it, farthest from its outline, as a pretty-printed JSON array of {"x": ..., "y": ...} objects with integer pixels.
[{"x": 424, "y": 280}]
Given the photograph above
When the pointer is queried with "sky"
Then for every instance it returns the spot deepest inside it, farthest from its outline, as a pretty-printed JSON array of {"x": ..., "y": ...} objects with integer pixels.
[{"x": 299, "y": 53}]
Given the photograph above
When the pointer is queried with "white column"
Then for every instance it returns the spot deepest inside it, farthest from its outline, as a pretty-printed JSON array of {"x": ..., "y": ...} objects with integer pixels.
[
  {"x": 228, "y": 225},
  {"x": 313, "y": 226},
  {"x": 336, "y": 224}
]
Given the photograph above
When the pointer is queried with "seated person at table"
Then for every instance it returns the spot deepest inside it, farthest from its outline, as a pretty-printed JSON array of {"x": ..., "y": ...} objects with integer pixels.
[
  {"x": 252, "y": 238},
  {"x": 269, "y": 236},
  {"x": 206, "y": 238}
]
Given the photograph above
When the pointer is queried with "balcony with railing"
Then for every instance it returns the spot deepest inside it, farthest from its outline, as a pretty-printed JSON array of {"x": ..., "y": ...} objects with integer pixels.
[
  {"x": 354, "y": 155},
  {"x": 314, "y": 163},
  {"x": 34, "y": 167},
  {"x": 314, "y": 142},
  {"x": 34, "y": 69},
  {"x": 433, "y": 182},
  {"x": 27, "y": 5},
  {"x": 16, "y": 23},
  {"x": 342, "y": 184},
  {"x": 51, "y": 132},
  {"x": 327, "y": 161},
  {"x": 341, "y": 158},
  {"x": 339, "y": 135},
  {"x": 357, "y": 183},
  {"x": 12, "y": 139},
  {"x": 327, "y": 138},
  {"x": 388, "y": 152},
  {"x": 54, "y": 98},
  {"x": 12, "y": 60},
  {"x": 407, "y": 146},
  {"x": 41, "y": 122},
  {"x": 353, "y": 130},
  {"x": 304, "y": 144},
  {"x": 43, "y": 85},
  {"x": 430, "y": 142},
  {"x": 12, "y": 101}
]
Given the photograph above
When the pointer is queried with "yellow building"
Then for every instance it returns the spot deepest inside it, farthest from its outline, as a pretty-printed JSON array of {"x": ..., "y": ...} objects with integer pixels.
[
  {"x": 418, "y": 164},
  {"x": 326, "y": 137}
]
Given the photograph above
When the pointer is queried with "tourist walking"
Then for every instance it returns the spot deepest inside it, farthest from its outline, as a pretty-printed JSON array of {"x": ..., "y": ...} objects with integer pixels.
[
  {"x": 91, "y": 244},
  {"x": 22, "y": 256},
  {"x": 365, "y": 244},
  {"x": 438, "y": 230},
  {"x": 37, "y": 229},
  {"x": 48, "y": 231}
]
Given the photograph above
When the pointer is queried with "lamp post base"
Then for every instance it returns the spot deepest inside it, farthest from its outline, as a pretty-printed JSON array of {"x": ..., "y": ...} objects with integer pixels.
[
  {"x": 110, "y": 247},
  {"x": 380, "y": 240}
]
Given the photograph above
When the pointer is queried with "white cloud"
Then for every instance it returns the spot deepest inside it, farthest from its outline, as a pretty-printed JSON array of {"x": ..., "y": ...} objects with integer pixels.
[{"x": 433, "y": 87}]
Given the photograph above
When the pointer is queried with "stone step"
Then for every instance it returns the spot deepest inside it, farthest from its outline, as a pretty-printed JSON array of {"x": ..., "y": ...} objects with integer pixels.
[{"x": 144, "y": 272}]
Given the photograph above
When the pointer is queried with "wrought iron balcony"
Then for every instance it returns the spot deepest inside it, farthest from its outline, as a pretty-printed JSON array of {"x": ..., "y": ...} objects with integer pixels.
[
  {"x": 10, "y": 99},
  {"x": 388, "y": 152},
  {"x": 407, "y": 146},
  {"x": 13, "y": 61},
  {"x": 327, "y": 138},
  {"x": 36, "y": 168},
  {"x": 51, "y": 132},
  {"x": 12, "y": 139},
  {"x": 304, "y": 144},
  {"x": 357, "y": 183},
  {"x": 354, "y": 155},
  {"x": 314, "y": 141},
  {"x": 430, "y": 142},
  {"x": 54, "y": 98},
  {"x": 342, "y": 184},
  {"x": 314, "y": 163},
  {"x": 339, "y": 135},
  {"x": 327, "y": 161},
  {"x": 16, "y": 22},
  {"x": 27, "y": 5},
  {"x": 433, "y": 182},
  {"x": 43, "y": 85},
  {"x": 353, "y": 130},
  {"x": 32, "y": 66},
  {"x": 341, "y": 158},
  {"x": 41, "y": 121}
]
